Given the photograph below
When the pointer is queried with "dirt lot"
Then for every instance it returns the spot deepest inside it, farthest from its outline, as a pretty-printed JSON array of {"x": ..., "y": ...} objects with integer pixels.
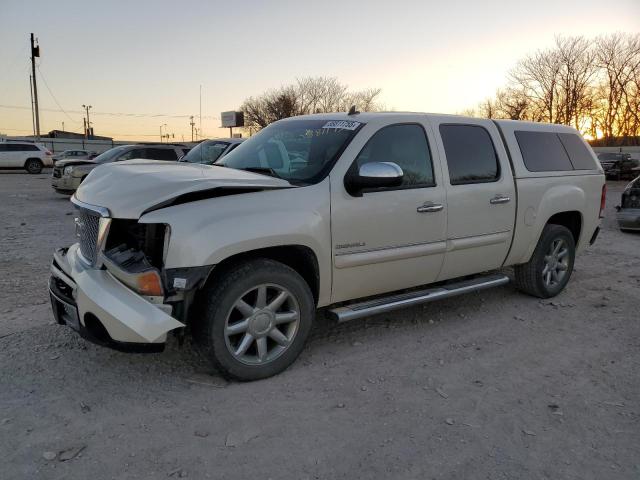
[{"x": 492, "y": 385}]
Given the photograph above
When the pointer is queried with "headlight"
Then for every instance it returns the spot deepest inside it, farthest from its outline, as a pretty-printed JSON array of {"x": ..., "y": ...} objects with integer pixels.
[{"x": 68, "y": 170}]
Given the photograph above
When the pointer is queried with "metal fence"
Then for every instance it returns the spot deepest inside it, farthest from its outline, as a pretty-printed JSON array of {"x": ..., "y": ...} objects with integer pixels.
[{"x": 633, "y": 151}]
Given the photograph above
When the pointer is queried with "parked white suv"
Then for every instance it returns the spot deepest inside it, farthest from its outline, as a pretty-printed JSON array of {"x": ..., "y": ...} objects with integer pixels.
[
  {"x": 360, "y": 214},
  {"x": 24, "y": 155}
]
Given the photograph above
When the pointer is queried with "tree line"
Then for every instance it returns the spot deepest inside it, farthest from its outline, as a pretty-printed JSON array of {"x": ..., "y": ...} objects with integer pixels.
[
  {"x": 590, "y": 84},
  {"x": 307, "y": 95}
]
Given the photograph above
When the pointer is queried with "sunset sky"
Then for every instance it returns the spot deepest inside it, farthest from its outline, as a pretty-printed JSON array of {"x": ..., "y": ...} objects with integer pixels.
[{"x": 150, "y": 58}]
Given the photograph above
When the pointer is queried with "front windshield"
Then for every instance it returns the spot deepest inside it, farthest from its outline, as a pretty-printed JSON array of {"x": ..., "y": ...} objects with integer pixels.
[
  {"x": 206, "y": 152},
  {"x": 299, "y": 151},
  {"x": 109, "y": 155}
]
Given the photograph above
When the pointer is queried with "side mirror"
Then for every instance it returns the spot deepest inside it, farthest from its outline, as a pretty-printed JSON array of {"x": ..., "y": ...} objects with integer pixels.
[
  {"x": 618, "y": 208},
  {"x": 374, "y": 175}
]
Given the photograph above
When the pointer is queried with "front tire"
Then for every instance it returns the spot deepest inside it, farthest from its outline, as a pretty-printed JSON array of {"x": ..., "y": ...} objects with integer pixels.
[
  {"x": 550, "y": 267},
  {"x": 255, "y": 319},
  {"x": 33, "y": 166}
]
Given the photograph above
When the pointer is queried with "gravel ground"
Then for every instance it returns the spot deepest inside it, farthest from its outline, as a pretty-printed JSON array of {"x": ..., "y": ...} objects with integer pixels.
[{"x": 492, "y": 385}]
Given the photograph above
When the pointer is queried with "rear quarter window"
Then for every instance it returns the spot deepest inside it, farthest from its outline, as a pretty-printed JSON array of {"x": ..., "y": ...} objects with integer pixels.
[
  {"x": 12, "y": 147},
  {"x": 543, "y": 152},
  {"x": 579, "y": 154}
]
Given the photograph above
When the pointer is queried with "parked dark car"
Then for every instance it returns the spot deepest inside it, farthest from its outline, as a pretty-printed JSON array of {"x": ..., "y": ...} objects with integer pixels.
[
  {"x": 629, "y": 209},
  {"x": 619, "y": 166}
]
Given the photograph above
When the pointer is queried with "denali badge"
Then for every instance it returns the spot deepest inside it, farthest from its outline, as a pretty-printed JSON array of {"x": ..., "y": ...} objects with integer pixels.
[{"x": 350, "y": 245}]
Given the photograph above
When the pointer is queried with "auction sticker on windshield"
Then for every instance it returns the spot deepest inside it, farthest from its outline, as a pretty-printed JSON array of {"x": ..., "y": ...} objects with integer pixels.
[{"x": 342, "y": 124}]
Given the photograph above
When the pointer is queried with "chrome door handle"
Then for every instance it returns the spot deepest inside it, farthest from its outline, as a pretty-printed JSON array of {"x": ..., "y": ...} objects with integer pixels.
[
  {"x": 430, "y": 207},
  {"x": 499, "y": 199}
]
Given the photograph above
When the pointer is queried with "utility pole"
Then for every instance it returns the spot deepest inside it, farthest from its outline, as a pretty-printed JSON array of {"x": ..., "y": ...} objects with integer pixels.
[
  {"x": 35, "y": 52},
  {"x": 88, "y": 128},
  {"x": 200, "y": 110},
  {"x": 161, "y": 136},
  {"x": 63, "y": 125},
  {"x": 33, "y": 119},
  {"x": 192, "y": 125}
]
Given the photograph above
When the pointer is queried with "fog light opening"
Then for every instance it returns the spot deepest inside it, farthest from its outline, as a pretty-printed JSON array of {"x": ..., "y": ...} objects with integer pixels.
[{"x": 96, "y": 329}]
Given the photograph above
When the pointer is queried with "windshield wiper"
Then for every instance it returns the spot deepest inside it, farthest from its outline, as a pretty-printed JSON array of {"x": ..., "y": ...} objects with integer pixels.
[{"x": 262, "y": 170}]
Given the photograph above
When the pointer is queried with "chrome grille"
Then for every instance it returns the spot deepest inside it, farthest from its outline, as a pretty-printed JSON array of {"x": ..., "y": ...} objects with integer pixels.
[{"x": 87, "y": 225}]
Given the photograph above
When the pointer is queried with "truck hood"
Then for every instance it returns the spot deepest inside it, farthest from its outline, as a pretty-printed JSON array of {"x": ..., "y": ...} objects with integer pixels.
[{"x": 130, "y": 188}]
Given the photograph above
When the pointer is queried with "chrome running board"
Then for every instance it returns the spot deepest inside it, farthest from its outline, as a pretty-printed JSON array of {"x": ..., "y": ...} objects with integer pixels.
[{"x": 395, "y": 302}]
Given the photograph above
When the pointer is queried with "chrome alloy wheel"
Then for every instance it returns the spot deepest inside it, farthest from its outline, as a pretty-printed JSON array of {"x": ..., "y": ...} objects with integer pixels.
[
  {"x": 556, "y": 263},
  {"x": 261, "y": 324}
]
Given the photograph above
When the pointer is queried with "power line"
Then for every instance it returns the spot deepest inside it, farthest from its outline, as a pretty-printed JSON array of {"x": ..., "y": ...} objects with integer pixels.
[
  {"x": 107, "y": 133},
  {"x": 114, "y": 114},
  {"x": 53, "y": 96}
]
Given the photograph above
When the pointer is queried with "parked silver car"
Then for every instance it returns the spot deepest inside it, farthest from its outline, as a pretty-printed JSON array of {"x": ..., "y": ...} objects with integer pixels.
[
  {"x": 74, "y": 155},
  {"x": 69, "y": 174}
]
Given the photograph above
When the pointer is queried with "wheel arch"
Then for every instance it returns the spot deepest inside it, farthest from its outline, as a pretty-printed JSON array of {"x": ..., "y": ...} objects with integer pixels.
[
  {"x": 560, "y": 204},
  {"x": 571, "y": 219},
  {"x": 300, "y": 258}
]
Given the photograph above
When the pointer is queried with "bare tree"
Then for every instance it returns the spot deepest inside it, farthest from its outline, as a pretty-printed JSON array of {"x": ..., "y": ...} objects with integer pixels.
[
  {"x": 307, "y": 95},
  {"x": 577, "y": 71},
  {"x": 537, "y": 76},
  {"x": 512, "y": 104},
  {"x": 592, "y": 85},
  {"x": 618, "y": 57}
]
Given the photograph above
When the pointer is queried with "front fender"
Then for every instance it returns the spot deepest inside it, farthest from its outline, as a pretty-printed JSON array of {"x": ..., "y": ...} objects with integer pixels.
[{"x": 208, "y": 231}]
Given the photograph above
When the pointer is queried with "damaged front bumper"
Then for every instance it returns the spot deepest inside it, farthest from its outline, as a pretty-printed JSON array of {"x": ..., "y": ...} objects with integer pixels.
[
  {"x": 64, "y": 183},
  {"x": 103, "y": 310}
]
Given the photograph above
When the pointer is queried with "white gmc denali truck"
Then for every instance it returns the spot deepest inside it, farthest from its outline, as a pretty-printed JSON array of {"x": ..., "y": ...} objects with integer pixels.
[{"x": 356, "y": 213}]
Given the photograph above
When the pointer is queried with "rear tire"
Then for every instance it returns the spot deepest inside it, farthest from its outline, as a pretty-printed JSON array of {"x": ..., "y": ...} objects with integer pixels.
[
  {"x": 254, "y": 319},
  {"x": 548, "y": 271},
  {"x": 33, "y": 166}
]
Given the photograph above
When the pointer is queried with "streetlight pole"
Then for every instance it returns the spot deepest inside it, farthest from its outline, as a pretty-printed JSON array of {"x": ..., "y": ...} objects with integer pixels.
[{"x": 87, "y": 107}]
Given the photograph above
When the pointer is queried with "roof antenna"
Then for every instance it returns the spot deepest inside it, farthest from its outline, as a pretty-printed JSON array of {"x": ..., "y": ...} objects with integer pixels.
[{"x": 353, "y": 111}]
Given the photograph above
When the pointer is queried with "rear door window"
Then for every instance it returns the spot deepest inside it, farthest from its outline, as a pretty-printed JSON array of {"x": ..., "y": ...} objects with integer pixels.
[
  {"x": 543, "y": 152},
  {"x": 579, "y": 154},
  {"x": 470, "y": 153},
  {"x": 132, "y": 154},
  {"x": 161, "y": 154}
]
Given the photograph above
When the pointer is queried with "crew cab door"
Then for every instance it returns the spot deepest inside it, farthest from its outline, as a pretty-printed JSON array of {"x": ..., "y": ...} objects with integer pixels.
[
  {"x": 392, "y": 238},
  {"x": 481, "y": 195}
]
